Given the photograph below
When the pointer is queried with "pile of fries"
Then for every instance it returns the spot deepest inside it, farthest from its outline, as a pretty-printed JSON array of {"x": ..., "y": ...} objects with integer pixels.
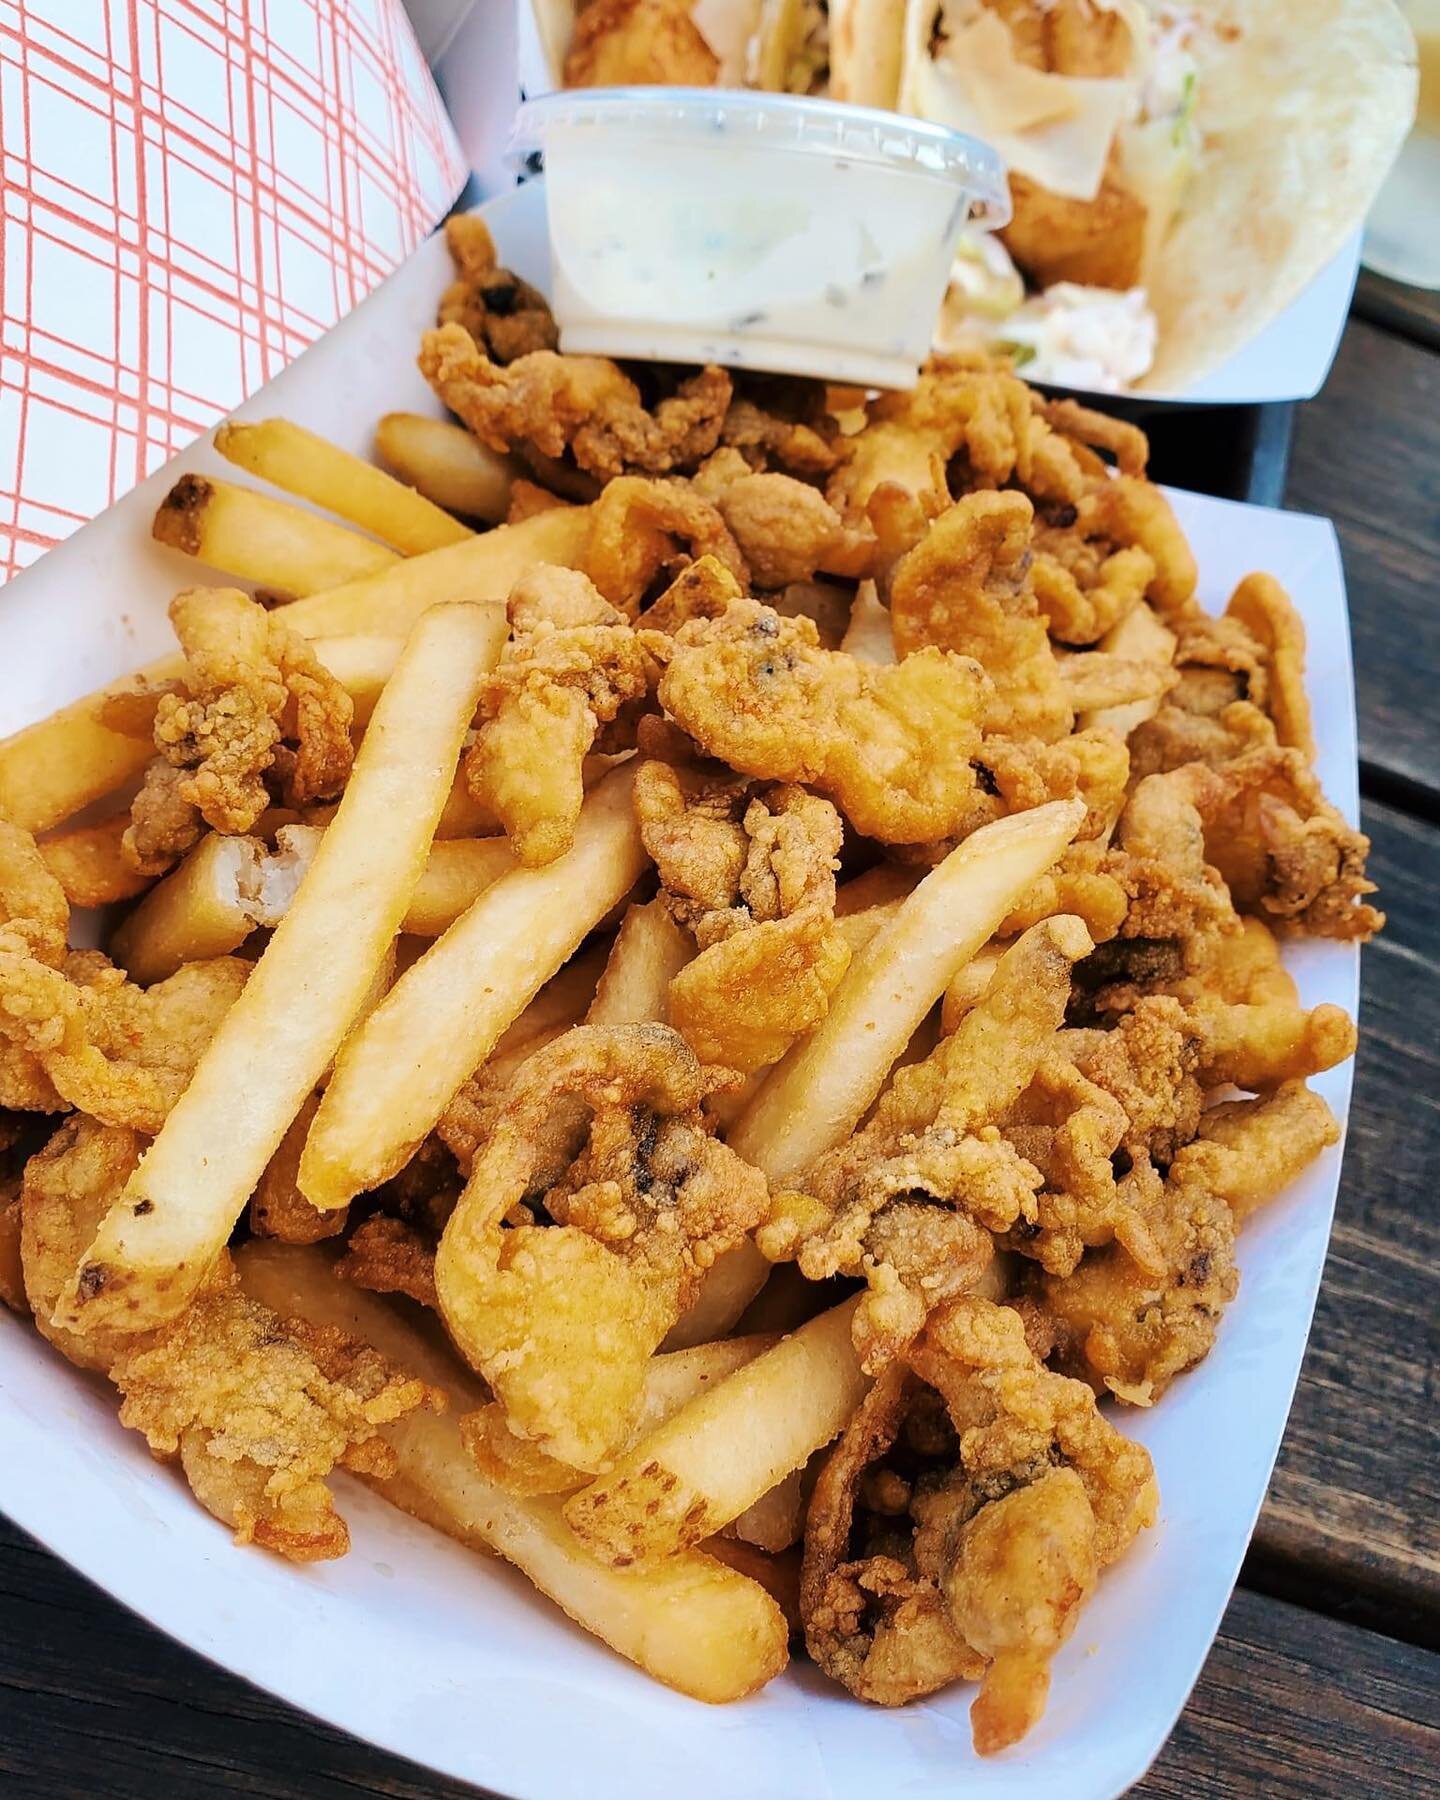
[{"x": 691, "y": 983}]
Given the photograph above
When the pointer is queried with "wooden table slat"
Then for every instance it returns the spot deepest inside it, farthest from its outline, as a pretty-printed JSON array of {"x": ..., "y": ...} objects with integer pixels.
[
  {"x": 1367, "y": 453},
  {"x": 1356, "y": 1494}
]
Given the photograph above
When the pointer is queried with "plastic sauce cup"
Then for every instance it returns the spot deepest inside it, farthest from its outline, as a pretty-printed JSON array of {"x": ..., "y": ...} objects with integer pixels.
[{"x": 755, "y": 230}]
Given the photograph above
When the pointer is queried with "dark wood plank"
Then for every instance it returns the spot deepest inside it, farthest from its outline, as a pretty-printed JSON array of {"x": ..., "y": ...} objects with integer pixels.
[
  {"x": 1413, "y": 312},
  {"x": 95, "y": 1705},
  {"x": 1367, "y": 452},
  {"x": 1296, "y": 1707},
  {"x": 1355, "y": 1502}
]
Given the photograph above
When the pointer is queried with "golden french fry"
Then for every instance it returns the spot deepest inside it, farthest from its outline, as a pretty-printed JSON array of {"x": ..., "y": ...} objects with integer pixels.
[
  {"x": 447, "y": 465},
  {"x": 86, "y": 861},
  {"x": 671, "y": 1381},
  {"x": 49, "y": 771},
  {"x": 362, "y": 666},
  {"x": 158, "y": 1241},
  {"x": 260, "y": 539},
  {"x": 776, "y": 1520},
  {"x": 440, "y": 1021},
  {"x": 1138, "y": 637},
  {"x": 313, "y": 468},
  {"x": 693, "y": 1623},
  {"x": 482, "y": 568},
  {"x": 650, "y": 950},
  {"x": 818, "y": 1094},
  {"x": 457, "y": 873},
  {"x": 224, "y": 889},
  {"x": 715, "y": 1457}
]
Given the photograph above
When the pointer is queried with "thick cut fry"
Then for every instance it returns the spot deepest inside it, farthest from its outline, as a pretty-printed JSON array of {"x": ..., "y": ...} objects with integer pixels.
[
  {"x": 482, "y": 568},
  {"x": 279, "y": 547},
  {"x": 158, "y": 1241},
  {"x": 819, "y": 1093},
  {"x": 719, "y": 1454},
  {"x": 692, "y": 1623},
  {"x": 445, "y": 464},
  {"x": 313, "y": 468},
  {"x": 50, "y": 770},
  {"x": 457, "y": 874},
  {"x": 441, "y": 1020},
  {"x": 649, "y": 952},
  {"x": 223, "y": 890},
  {"x": 86, "y": 861},
  {"x": 672, "y": 1380}
]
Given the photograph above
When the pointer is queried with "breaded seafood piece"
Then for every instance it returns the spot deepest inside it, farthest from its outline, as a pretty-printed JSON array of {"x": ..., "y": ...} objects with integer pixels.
[
  {"x": 638, "y": 43},
  {"x": 571, "y": 664},
  {"x": 562, "y": 1318},
  {"x": 257, "y": 1410},
  {"x": 584, "y": 404},
  {"x": 506, "y": 316},
  {"x": 255, "y": 710},
  {"x": 892, "y": 746},
  {"x": 637, "y": 527}
]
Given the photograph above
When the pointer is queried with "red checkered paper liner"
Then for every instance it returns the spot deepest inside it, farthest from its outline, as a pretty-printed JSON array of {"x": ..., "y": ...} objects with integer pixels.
[{"x": 193, "y": 191}]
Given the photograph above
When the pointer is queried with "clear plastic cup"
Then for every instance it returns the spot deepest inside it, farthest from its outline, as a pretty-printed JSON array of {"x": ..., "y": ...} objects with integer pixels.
[{"x": 755, "y": 230}]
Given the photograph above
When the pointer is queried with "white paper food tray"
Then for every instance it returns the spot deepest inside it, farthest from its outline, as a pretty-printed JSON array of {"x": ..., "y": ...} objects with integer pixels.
[{"x": 446, "y": 1657}]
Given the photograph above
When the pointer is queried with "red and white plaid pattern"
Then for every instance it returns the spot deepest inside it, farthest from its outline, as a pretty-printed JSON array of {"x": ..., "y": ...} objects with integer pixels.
[{"x": 193, "y": 191}]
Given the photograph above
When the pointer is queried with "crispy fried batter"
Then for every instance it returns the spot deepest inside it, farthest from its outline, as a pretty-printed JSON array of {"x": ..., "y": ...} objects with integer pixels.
[
  {"x": 1135, "y": 1330},
  {"x": 277, "y": 1207},
  {"x": 751, "y": 871},
  {"x": 258, "y": 1410},
  {"x": 636, "y": 528},
  {"x": 561, "y": 1318},
  {"x": 254, "y": 702},
  {"x": 506, "y": 316},
  {"x": 389, "y": 1256},
  {"x": 585, "y": 404},
  {"x": 787, "y": 530},
  {"x": 571, "y": 664},
  {"x": 639, "y": 43},
  {"x": 964, "y": 588},
  {"x": 122, "y": 1053},
  {"x": 891, "y": 746},
  {"x": 911, "y": 1200}
]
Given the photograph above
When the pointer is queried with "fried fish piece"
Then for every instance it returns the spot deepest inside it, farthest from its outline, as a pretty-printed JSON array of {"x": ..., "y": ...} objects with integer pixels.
[
  {"x": 584, "y": 404},
  {"x": 892, "y": 746},
  {"x": 506, "y": 316},
  {"x": 571, "y": 665},
  {"x": 257, "y": 1410},
  {"x": 255, "y": 708},
  {"x": 639, "y": 43}
]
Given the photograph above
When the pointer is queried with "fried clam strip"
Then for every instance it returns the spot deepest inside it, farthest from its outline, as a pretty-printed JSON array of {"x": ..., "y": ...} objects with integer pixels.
[
  {"x": 689, "y": 1621},
  {"x": 562, "y": 1318},
  {"x": 505, "y": 316},
  {"x": 1133, "y": 1329},
  {"x": 258, "y": 1409},
  {"x": 960, "y": 408},
  {"x": 584, "y": 404},
  {"x": 911, "y": 1201},
  {"x": 154, "y": 1247},
  {"x": 636, "y": 529},
  {"x": 786, "y": 529},
  {"x": 630, "y": 43},
  {"x": 1046, "y": 1496},
  {"x": 750, "y": 869},
  {"x": 892, "y": 747},
  {"x": 254, "y": 707},
  {"x": 571, "y": 664},
  {"x": 73, "y": 1030}
]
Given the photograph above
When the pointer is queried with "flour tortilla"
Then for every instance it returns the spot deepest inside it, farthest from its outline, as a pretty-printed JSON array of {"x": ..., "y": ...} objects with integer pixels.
[
  {"x": 1302, "y": 106},
  {"x": 1300, "y": 119}
]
